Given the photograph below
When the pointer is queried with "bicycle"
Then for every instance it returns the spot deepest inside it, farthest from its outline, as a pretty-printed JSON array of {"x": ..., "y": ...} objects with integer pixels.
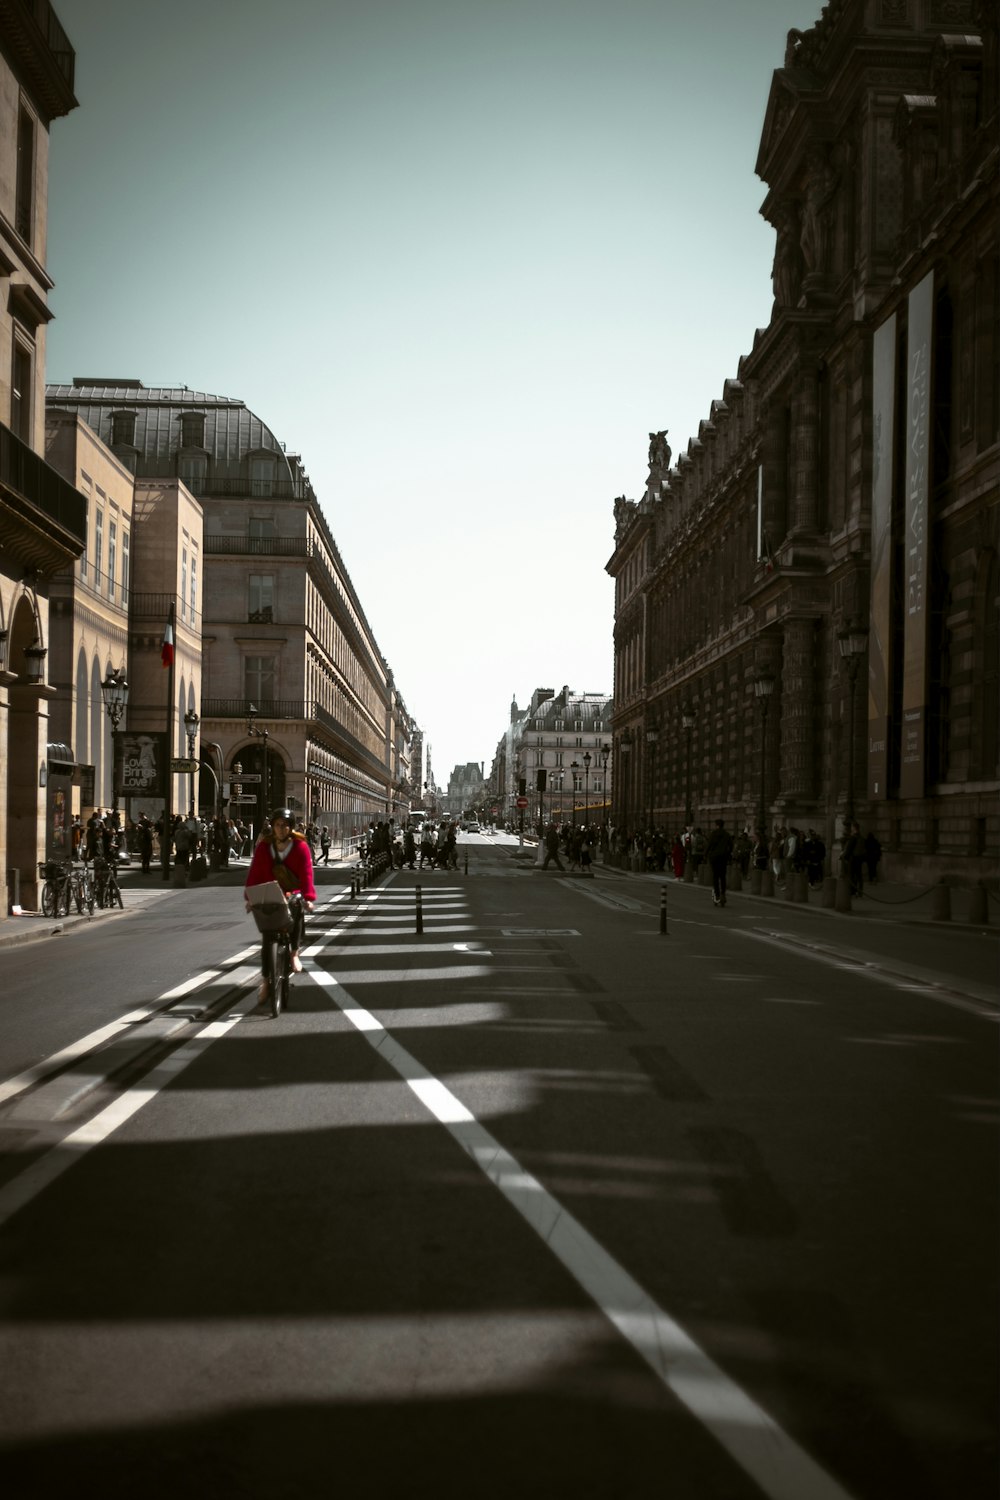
[
  {"x": 274, "y": 922},
  {"x": 106, "y": 888},
  {"x": 82, "y": 888},
  {"x": 56, "y": 889}
]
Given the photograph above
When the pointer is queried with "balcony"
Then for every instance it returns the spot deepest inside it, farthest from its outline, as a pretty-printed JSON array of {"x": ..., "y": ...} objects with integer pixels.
[
  {"x": 255, "y": 546},
  {"x": 43, "y": 49},
  {"x": 43, "y": 519}
]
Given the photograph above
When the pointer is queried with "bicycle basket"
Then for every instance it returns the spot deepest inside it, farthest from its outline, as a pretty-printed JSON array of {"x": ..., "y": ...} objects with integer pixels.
[{"x": 272, "y": 916}]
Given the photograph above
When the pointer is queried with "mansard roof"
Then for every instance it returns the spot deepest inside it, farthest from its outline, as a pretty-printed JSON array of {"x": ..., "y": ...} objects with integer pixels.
[{"x": 232, "y": 430}]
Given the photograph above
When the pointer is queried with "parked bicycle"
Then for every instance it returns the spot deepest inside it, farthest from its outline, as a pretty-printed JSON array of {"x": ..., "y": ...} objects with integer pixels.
[
  {"x": 107, "y": 891},
  {"x": 56, "y": 890},
  {"x": 81, "y": 888}
]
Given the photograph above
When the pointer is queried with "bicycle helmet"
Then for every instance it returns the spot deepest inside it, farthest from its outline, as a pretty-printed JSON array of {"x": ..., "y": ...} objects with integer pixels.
[{"x": 286, "y": 814}]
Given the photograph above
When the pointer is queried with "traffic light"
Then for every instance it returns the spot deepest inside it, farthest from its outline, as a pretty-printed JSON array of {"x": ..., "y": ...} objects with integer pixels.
[
  {"x": 522, "y": 786},
  {"x": 540, "y": 781}
]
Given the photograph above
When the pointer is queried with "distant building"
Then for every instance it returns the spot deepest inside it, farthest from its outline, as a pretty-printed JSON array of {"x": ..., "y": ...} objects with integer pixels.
[
  {"x": 560, "y": 746},
  {"x": 297, "y": 705},
  {"x": 42, "y": 516},
  {"x": 466, "y": 788},
  {"x": 806, "y": 600}
]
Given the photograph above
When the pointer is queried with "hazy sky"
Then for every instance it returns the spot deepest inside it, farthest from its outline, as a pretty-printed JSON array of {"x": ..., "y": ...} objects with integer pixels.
[{"x": 462, "y": 255}]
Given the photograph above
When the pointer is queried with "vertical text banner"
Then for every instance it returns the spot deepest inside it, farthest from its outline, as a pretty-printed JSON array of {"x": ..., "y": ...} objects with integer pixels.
[
  {"x": 915, "y": 553},
  {"x": 880, "y": 620}
]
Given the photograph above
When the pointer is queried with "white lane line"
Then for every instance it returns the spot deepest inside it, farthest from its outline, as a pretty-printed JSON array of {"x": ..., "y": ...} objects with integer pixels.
[
  {"x": 13, "y": 1086},
  {"x": 34, "y": 1179},
  {"x": 782, "y": 1469}
]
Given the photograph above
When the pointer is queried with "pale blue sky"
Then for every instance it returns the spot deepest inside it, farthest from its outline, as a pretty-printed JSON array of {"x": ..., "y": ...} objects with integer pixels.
[{"x": 463, "y": 257}]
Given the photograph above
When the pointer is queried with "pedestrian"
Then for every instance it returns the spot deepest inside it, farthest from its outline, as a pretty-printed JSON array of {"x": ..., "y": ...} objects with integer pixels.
[
  {"x": 814, "y": 853},
  {"x": 324, "y": 844},
  {"x": 677, "y": 856},
  {"x": 552, "y": 848},
  {"x": 699, "y": 849},
  {"x": 873, "y": 853},
  {"x": 852, "y": 859},
  {"x": 409, "y": 849},
  {"x": 718, "y": 852},
  {"x": 145, "y": 842}
]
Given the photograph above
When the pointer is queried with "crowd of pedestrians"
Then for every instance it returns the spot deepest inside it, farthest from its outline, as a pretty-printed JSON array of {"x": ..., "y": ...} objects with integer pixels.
[{"x": 786, "y": 851}]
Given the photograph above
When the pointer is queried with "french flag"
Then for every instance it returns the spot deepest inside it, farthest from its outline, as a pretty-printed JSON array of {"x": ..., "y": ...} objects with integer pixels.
[{"x": 167, "y": 649}]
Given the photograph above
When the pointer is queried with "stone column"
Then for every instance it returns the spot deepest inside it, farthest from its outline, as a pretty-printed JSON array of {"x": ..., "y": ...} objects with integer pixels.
[
  {"x": 805, "y": 417},
  {"x": 798, "y": 695}
]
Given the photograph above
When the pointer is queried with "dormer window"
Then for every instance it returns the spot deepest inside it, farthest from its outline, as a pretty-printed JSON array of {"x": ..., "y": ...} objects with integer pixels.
[
  {"x": 123, "y": 429},
  {"x": 193, "y": 430}
]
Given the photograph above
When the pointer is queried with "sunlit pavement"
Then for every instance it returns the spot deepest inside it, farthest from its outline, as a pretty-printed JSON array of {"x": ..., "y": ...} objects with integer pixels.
[{"x": 611, "y": 1206}]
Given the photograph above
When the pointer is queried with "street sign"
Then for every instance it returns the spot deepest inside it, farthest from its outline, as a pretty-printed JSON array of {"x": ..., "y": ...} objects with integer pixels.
[
  {"x": 244, "y": 776},
  {"x": 186, "y": 766},
  {"x": 247, "y": 797},
  {"x": 522, "y": 801}
]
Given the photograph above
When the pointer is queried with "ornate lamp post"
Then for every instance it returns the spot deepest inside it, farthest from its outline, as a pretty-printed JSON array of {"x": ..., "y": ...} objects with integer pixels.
[
  {"x": 605, "y": 753},
  {"x": 687, "y": 723},
  {"x": 763, "y": 687},
  {"x": 191, "y": 722},
  {"x": 114, "y": 691},
  {"x": 652, "y": 735},
  {"x": 853, "y": 642},
  {"x": 586, "y": 787},
  {"x": 575, "y": 768},
  {"x": 260, "y": 734}
]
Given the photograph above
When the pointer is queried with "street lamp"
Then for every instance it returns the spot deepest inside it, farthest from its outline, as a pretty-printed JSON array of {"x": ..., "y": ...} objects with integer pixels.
[
  {"x": 586, "y": 788},
  {"x": 687, "y": 723},
  {"x": 114, "y": 691},
  {"x": 853, "y": 642},
  {"x": 763, "y": 687},
  {"x": 191, "y": 722},
  {"x": 574, "y": 766},
  {"x": 605, "y": 752},
  {"x": 260, "y": 734},
  {"x": 652, "y": 735},
  {"x": 557, "y": 783}
]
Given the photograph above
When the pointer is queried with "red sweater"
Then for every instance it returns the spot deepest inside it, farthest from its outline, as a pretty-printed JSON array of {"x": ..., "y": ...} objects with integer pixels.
[{"x": 298, "y": 863}]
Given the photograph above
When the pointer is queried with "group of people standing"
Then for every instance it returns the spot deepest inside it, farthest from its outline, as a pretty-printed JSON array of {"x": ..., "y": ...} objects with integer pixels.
[{"x": 787, "y": 850}]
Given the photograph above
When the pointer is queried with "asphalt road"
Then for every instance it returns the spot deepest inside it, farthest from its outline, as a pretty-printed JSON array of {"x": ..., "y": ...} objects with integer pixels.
[{"x": 537, "y": 1199}]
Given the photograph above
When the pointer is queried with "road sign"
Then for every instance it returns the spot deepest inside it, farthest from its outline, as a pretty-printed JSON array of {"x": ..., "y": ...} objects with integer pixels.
[
  {"x": 186, "y": 766},
  {"x": 522, "y": 801},
  {"x": 244, "y": 776},
  {"x": 247, "y": 797}
]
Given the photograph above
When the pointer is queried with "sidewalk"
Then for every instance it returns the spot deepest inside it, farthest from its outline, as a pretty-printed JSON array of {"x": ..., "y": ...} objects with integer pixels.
[
  {"x": 885, "y": 901},
  {"x": 140, "y": 891}
]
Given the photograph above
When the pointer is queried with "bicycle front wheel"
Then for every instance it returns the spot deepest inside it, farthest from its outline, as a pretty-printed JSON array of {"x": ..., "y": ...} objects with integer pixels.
[
  {"x": 116, "y": 895},
  {"x": 48, "y": 899},
  {"x": 279, "y": 978},
  {"x": 269, "y": 968}
]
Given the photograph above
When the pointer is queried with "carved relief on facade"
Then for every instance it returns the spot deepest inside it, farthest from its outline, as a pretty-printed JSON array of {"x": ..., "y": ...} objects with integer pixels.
[{"x": 894, "y": 13}]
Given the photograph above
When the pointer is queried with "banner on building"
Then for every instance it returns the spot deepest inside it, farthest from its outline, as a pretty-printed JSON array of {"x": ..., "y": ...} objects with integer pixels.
[
  {"x": 915, "y": 549},
  {"x": 141, "y": 764},
  {"x": 880, "y": 603}
]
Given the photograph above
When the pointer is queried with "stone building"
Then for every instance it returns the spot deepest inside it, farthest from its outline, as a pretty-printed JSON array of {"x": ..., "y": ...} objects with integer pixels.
[
  {"x": 560, "y": 747},
  {"x": 806, "y": 600},
  {"x": 42, "y": 516},
  {"x": 295, "y": 701}
]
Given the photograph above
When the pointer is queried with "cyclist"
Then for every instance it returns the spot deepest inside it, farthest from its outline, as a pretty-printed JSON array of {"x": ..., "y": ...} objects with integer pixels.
[{"x": 283, "y": 855}]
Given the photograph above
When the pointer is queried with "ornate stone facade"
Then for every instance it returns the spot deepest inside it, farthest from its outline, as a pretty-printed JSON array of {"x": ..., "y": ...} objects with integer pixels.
[{"x": 850, "y": 476}]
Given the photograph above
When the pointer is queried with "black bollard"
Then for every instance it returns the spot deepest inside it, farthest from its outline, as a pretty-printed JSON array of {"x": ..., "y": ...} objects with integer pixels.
[
  {"x": 663, "y": 910},
  {"x": 420, "y": 910}
]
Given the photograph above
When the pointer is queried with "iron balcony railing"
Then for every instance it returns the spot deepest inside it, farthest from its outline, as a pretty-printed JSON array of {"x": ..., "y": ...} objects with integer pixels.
[
  {"x": 256, "y": 546},
  {"x": 41, "y": 488},
  {"x": 290, "y": 708}
]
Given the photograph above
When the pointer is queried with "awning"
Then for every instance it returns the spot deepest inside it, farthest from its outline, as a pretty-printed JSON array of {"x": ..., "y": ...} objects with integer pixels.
[{"x": 60, "y": 757}]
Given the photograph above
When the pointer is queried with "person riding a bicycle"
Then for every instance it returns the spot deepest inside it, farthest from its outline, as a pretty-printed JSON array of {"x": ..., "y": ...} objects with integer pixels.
[{"x": 284, "y": 856}]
